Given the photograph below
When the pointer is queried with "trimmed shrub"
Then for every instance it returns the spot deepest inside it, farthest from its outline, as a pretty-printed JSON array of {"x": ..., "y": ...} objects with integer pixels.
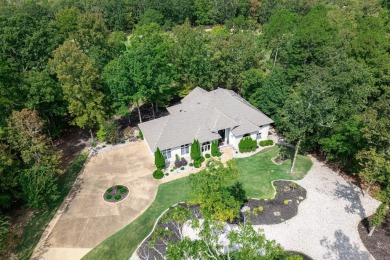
[
  {"x": 108, "y": 196},
  {"x": 285, "y": 202},
  {"x": 191, "y": 164},
  {"x": 172, "y": 170},
  {"x": 109, "y": 190},
  {"x": 167, "y": 174},
  {"x": 140, "y": 135},
  {"x": 183, "y": 162},
  {"x": 260, "y": 208},
  {"x": 159, "y": 160},
  {"x": 266, "y": 142},
  {"x": 207, "y": 155},
  {"x": 122, "y": 190},
  {"x": 197, "y": 164},
  {"x": 117, "y": 197},
  {"x": 177, "y": 162},
  {"x": 118, "y": 187},
  {"x": 182, "y": 168},
  {"x": 158, "y": 174},
  {"x": 247, "y": 144}
]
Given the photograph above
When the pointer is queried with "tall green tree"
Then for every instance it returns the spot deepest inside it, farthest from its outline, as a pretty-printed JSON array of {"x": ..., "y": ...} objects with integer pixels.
[
  {"x": 195, "y": 152},
  {"x": 159, "y": 159},
  {"x": 81, "y": 85},
  {"x": 9, "y": 167},
  {"x": 209, "y": 190}
]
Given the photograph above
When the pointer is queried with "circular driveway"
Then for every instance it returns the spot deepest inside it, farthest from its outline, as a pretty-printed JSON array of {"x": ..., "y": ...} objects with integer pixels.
[
  {"x": 326, "y": 224},
  {"x": 84, "y": 219}
]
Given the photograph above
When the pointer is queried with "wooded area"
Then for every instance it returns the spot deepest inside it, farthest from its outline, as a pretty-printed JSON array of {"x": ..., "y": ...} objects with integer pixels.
[{"x": 318, "y": 68}]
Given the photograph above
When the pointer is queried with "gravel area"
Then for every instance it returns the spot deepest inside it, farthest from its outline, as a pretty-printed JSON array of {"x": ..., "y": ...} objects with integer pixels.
[{"x": 326, "y": 225}]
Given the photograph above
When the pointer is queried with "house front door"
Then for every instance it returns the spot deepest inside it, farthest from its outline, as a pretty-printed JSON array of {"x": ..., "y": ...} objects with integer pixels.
[{"x": 222, "y": 134}]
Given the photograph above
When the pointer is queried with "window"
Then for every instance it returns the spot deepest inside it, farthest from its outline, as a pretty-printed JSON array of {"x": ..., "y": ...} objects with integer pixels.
[
  {"x": 167, "y": 154},
  {"x": 259, "y": 135},
  {"x": 206, "y": 146},
  {"x": 185, "y": 149}
]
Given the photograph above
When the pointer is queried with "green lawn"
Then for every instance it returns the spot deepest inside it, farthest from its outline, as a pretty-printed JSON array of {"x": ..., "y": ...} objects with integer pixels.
[
  {"x": 256, "y": 174},
  {"x": 122, "y": 244},
  {"x": 37, "y": 225},
  {"x": 258, "y": 171}
]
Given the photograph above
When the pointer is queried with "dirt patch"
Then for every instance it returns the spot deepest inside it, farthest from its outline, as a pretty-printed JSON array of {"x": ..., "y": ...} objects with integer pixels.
[
  {"x": 379, "y": 243},
  {"x": 71, "y": 144}
]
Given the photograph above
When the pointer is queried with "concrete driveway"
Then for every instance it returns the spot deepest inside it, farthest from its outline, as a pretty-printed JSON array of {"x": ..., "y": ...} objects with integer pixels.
[
  {"x": 85, "y": 219},
  {"x": 326, "y": 224}
]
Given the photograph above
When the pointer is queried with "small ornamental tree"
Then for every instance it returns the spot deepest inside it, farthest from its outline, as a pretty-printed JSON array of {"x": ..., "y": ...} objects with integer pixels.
[
  {"x": 378, "y": 218},
  {"x": 159, "y": 160},
  {"x": 195, "y": 150},
  {"x": 214, "y": 148}
]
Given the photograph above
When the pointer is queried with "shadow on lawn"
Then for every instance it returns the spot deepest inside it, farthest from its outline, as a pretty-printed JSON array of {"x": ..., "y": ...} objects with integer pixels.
[
  {"x": 350, "y": 193},
  {"x": 342, "y": 248}
]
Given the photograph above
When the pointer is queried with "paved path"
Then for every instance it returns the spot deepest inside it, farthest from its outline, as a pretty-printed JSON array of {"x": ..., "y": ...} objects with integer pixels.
[
  {"x": 326, "y": 224},
  {"x": 84, "y": 219}
]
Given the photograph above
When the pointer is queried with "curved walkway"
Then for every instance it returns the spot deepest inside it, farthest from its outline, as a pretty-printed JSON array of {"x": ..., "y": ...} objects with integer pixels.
[
  {"x": 84, "y": 219},
  {"x": 326, "y": 224}
]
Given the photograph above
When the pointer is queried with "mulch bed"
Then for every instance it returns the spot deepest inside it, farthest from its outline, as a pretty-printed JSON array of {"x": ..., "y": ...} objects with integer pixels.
[
  {"x": 379, "y": 243},
  {"x": 272, "y": 208},
  {"x": 116, "y": 191}
]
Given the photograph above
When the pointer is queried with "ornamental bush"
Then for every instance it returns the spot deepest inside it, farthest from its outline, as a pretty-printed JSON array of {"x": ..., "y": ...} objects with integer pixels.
[
  {"x": 178, "y": 162},
  {"x": 158, "y": 174},
  {"x": 207, "y": 155},
  {"x": 117, "y": 197},
  {"x": 140, "y": 135},
  {"x": 195, "y": 152},
  {"x": 183, "y": 162},
  {"x": 108, "y": 196},
  {"x": 247, "y": 144},
  {"x": 159, "y": 160},
  {"x": 266, "y": 142}
]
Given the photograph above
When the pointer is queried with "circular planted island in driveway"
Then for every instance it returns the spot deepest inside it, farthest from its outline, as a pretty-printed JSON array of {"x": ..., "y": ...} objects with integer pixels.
[{"x": 116, "y": 193}]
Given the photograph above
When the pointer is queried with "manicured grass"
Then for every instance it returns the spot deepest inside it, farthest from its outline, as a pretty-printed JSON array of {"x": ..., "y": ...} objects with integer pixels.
[
  {"x": 258, "y": 171},
  {"x": 256, "y": 174},
  {"x": 122, "y": 244},
  {"x": 37, "y": 225}
]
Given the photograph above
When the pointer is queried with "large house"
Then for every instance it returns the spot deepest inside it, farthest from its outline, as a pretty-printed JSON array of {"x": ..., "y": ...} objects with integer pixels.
[{"x": 206, "y": 116}]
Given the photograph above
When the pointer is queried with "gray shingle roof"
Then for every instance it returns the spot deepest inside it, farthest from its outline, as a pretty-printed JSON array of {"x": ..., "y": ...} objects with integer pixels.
[{"x": 200, "y": 115}]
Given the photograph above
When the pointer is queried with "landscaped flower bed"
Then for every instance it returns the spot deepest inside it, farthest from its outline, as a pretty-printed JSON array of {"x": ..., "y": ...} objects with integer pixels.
[
  {"x": 262, "y": 212},
  {"x": 116, "y": 193},
  {"x": 279, "y": 209}
]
